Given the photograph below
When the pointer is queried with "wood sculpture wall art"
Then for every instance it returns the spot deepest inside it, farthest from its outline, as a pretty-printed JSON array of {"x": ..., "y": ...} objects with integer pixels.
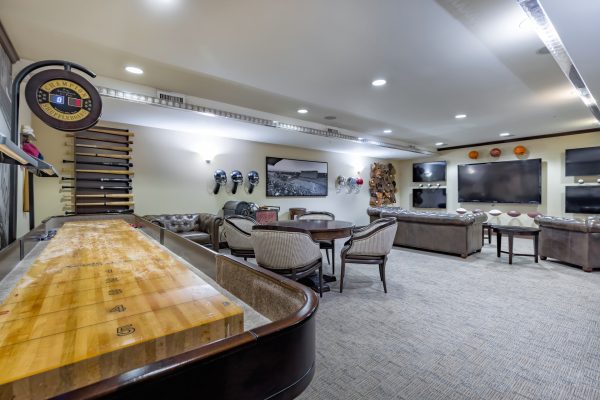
[{"x": 382, "y": 185}]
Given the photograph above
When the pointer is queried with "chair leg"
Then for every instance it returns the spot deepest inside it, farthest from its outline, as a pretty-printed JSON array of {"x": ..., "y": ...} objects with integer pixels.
[
  {"x": 343, "y": 271},
  {"x": 321, "y": 280},
  {"x": 327, "y": 254},
  {"x": 383, "y": 275},
  {"x": 380, "y": 272}
]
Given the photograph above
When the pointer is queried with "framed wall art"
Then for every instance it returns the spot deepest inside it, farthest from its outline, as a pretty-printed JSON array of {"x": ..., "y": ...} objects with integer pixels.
[{"x": 296, "y": 178}]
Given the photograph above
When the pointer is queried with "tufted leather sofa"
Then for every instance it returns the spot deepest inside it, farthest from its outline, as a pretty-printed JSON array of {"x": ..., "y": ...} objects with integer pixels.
[
  {"x": 574, "y": 241},
  {"x": 436, "y": 231},
  {"x": 202, "y": 228}
]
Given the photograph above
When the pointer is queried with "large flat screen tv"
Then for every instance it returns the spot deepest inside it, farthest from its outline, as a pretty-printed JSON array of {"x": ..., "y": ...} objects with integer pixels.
[
  {"x": 288, "y": 177},
  {"x": 582, "y": 162},
  {"x": 517, "y": 181},
  {"x": 429, "y": 198},
  {"x": 429, "y": 172},
  {"x": 583, "y": 199}
]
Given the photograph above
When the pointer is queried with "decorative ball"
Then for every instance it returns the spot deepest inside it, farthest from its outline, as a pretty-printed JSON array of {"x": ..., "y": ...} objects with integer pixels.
[
  {"x": 520, "y": 150},
  {"x": 461, "y": 210},
  {"x": 473, "y": 155},
  {"x": 580, "y": 181},
  {"x": 495, "y": 152},
  {"x": 514, "y": 213},
  {"x": 495, "y": 212},
  {"x": 478, "y": 210},
  {"x": 359, "y": 181},
  {"x": 533, "y": 214}
]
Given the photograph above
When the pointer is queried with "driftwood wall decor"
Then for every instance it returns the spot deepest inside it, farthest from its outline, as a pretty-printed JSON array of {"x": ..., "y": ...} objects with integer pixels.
[{"x": 382, "y": 185}]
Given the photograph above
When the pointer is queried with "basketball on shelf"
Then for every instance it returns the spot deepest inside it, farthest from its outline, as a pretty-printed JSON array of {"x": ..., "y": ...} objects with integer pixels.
[
  {"x": 473, "y": 155},
  {"x": 520, "y": 150},
  {"x": 495, "y": 152}
]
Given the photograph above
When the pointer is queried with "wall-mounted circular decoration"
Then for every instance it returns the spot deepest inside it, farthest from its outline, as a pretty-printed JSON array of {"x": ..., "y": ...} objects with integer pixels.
[
  {"x": 495, "y": 152},
  {"x": 63, "y": 100},
  {"x": 237, "y": 178},
  {"x": 220, "y": 180},
  {"x": 473, "y": 155},
  {"x": 520, "y": 150}
]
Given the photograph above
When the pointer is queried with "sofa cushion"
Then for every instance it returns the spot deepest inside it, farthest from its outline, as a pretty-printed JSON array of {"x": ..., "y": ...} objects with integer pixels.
[
  {"x": 437, "y": 218},
  {"x": 176, "y": 222},
  {"x": 198, "y": 237},
  {"x": 376, "y": 211}
]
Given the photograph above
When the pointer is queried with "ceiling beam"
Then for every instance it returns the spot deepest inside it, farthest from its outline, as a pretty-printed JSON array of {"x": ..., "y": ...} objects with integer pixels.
[{"x": 7, "y": 45}]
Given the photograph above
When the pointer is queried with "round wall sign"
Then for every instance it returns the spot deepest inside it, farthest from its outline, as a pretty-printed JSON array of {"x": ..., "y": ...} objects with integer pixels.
[{"x": 63, "y": 100}]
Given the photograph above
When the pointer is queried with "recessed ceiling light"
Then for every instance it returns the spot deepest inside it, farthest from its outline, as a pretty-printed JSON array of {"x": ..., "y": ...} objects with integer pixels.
[
  {"x": 302, "y": 111},
  {"x": 460, "y": 116},
  {"x": 387, "y": 131},
  {"x": 330, "y": 117},
  {"x": 134, "y": 70},
  {"x": 379, "y": 82},
  {"x": 504, "y": 134},
  {"x": 440, "y": 143}
]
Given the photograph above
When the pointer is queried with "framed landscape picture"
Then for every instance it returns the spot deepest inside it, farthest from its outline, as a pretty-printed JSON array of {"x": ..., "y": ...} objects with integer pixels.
[{"x": 295, "y": 178}]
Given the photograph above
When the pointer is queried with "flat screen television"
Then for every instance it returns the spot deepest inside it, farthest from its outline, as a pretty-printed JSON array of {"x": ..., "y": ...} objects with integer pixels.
[
  {"x": 429, "y": 172},
  {"x": 518, "y": 181},
  {"x": 429, "y": 198},
  {"x": 583, "y": 199},
  {"x": 582, "y": 162}
]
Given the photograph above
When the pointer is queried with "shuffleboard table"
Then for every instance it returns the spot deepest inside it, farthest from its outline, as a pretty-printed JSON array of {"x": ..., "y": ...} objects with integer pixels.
[{"x": 114, "y": 306}]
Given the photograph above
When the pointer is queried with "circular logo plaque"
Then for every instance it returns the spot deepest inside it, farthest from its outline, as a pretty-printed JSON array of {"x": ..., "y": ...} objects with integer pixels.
[{"x": 63, "y": 100}]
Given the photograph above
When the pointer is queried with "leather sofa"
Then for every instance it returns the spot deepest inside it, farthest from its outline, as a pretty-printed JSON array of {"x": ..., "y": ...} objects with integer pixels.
[
  {"x": 202, "y": 228},
  {"x": 574, "y": 241},
  {"x": 436, "y": 231}
]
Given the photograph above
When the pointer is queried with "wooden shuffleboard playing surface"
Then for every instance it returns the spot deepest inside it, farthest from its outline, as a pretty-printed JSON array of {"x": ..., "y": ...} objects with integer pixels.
[{"x": 103, "y": 298}]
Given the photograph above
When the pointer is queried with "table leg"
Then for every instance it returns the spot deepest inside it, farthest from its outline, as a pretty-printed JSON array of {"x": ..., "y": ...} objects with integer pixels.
[
  {"x": 498, "y": 243},
  {"x": 536, "y": 238},
  {"x": 482, "y": 235},
  {"x": 510, "y": 247},
  {"x": 489, "y": 234}
]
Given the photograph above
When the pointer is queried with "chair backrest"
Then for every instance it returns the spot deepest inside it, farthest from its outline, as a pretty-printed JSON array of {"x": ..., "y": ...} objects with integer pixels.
[
  {"x": 237, "y": 230},
  {"x": 283, "y": 247},
  {"x": 375, "y": 239},
  {"x": 323, "y": 215}
]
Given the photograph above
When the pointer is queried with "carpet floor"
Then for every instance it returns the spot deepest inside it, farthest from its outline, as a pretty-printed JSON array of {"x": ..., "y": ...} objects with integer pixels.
[{"x": 450, "y": 328}]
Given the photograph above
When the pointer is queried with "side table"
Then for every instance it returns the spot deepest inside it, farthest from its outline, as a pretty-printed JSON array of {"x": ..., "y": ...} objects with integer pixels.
[{"x": 511, "y": 231}]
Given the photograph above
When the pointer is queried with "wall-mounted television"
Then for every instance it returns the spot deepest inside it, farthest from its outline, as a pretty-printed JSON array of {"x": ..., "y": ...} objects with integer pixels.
[
  {"x": 582, "y": 199},
  {"x": 429, "y": 198},
  {"x": 518, "y": 181},
  {"x": 434, "y": 171},
  {"x": 287, "y": 177},
  {"x": 582, "y": 162}
]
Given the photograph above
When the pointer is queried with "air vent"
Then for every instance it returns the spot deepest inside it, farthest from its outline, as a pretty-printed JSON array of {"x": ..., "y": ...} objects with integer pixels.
[{"x": 171, "y": 96}]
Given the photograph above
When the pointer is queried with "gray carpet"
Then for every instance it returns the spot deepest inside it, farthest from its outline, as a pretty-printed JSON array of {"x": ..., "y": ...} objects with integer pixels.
[{"x": 460, "y": 329}]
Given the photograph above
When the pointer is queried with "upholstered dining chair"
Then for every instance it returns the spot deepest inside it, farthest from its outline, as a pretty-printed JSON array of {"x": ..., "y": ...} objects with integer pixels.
[
  {"x": 370, "y": 245},
  {"x": 327, "y": 245},
  {"x": 237, "y": 230},
  {"x": 288, "y": 251}
]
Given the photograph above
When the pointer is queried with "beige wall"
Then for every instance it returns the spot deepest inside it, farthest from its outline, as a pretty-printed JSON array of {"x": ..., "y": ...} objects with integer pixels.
[
  {"x": 552, "y": 153},
  {"x": 171, "y": 175}
]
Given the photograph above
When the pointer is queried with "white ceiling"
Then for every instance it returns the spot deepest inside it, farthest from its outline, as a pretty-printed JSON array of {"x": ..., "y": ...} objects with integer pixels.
[{"x": 440, "y": 58}]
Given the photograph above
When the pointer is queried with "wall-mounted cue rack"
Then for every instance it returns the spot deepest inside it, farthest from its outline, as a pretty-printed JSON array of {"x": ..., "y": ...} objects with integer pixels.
[{"x": 99, "y": 172}]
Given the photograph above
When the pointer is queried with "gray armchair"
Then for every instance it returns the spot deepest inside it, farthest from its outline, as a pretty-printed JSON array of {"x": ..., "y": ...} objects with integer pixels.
[
  {"x": 327, "y": 245},
  {"x": 237, "y": 230},
  {"x": 370, "y": 245},
  {"x": 290, "y": 252}
]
